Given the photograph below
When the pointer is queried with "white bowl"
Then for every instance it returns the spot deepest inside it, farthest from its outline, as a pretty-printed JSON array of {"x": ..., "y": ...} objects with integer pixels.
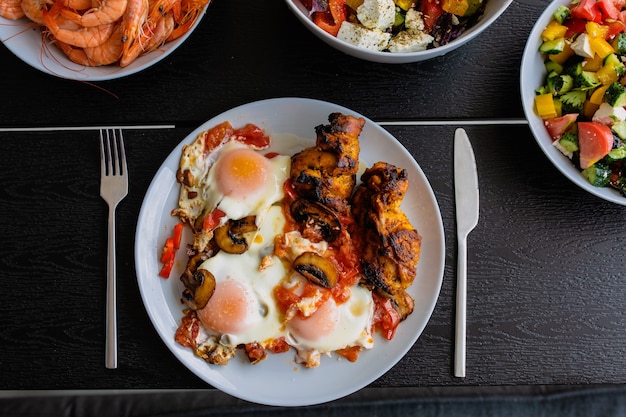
[
  {"x": 532, "y": 76},
  {"x": 24, "y": 39},
  {"x": 493, "y": 10}
]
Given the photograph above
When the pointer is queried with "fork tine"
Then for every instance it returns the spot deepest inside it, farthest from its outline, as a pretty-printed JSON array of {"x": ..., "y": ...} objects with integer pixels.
[
  {"x": 122, "y": 154},
  {"x": 103, "y": 171}
]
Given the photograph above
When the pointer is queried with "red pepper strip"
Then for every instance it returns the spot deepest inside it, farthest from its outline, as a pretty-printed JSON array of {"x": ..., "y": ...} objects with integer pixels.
[
  {"x": 168, "y": 250},
  {"x": 331, "y": 20},
  {"x": 178, "y": 235},
  {"x": 167, "y": 268}
]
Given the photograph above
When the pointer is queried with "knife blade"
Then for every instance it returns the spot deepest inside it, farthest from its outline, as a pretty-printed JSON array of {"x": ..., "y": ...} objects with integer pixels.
[{"x": 466, "y": 199}]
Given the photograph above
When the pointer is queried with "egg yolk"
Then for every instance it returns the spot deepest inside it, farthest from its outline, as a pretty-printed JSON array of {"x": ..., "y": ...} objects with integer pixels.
[
  {"x": 227, "y": 309},
  {"x": 319, "y": 324},
  {"x": 241, "y": 172}
]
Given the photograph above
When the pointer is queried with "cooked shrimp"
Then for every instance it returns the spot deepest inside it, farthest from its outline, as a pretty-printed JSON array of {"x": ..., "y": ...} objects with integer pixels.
[
  {"x": 11, "y": 9},
  {"x": 76, "y": 55},
  {"x": 110, "y": 51},
  {"x": 108, "y": 11},
  {"x": 132, "y": 24},
  {"x": 82, "y": 37},
  {"x": 161, "y": 32},
  {"x": 107, "y": 53},
  {"x": 77, "y": 4},
  {"x": 190, "y": 11},
  {"x": 33, "y": 9}
]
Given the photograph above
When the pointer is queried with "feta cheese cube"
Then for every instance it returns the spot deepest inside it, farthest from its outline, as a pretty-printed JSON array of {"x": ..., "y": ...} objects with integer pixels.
[
  {"x": 582, "y": 47},
  {"x": 405, "y": 42},
  {"x": 363, "y": 37},
  {"x": 607, "y": 114},
  {"x": 377, "y": 14},
  {"x": 413, "y": 21}
]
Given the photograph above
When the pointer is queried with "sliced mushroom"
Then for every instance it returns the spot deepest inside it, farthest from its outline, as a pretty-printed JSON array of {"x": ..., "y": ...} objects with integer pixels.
[
  {"x": 230, "y": 236},
  {"x": 199, "y": 289},
  {"x": 316, "y": 269},
  {"x": 314, "y": 214}
]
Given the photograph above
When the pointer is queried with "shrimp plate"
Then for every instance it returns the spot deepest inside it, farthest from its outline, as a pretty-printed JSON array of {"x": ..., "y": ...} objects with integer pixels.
[{"x": 26, "y": 41}]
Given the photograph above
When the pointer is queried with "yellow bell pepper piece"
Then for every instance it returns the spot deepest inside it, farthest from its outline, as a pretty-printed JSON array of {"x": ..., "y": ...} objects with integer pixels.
[
  {"x": 593, "y": 64},
  {"x": 596, "y": 30},
  {"x": 560, "y": 58},
  {"x": 544, "y": 105},
  {"x": 607, "y": 75},
  {"x": 601, "y": 47},
  {"x": 597, "y": 97},
  {"x": 589, "y": 108},
  {"x": 457, "y": 7},
  {"x": 553, "y": 30},
  {"x": 403, "y": 4}
]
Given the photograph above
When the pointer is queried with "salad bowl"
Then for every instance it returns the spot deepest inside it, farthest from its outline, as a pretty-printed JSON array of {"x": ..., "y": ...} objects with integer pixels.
[
  {"x": 532, "y": 76},
  {"x": 493, "y": 10}
]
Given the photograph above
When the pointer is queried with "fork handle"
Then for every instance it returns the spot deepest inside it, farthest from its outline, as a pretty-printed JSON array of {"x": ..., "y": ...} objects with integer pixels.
[{"x": 111, "y": 313}]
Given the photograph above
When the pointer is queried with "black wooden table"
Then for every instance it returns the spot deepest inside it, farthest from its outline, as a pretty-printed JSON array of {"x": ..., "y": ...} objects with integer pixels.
[{"x": 545, "y": 290}]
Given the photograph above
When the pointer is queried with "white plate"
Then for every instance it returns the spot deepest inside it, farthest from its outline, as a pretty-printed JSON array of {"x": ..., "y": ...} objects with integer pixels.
[
  {"x": 278, "y": 380},
  {"x": 24, "y": 39},
  {"x": 493, "y": 10},
  {"x": 532, "y": 76}
]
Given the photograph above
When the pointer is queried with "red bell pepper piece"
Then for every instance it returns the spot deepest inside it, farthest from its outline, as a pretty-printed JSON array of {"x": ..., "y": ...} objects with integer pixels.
[
  {"x": 331, "y": 20},
  {"x": 431, "y": 11},
  {"x": 178, "y": 235}
]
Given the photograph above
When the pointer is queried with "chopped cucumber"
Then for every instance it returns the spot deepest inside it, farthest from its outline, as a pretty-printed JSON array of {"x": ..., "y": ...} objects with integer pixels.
[
  {"x": 561, "y": 13},
  {"x": 616, "y": 154},
  {"x": 619, "y": 44},
  {"x": 619, "y": 129},
  {"x": 615, "y": 95},
  {"x": 555, "y": 46},
  {"x": 569, "y": 142},
  {"x": 597, "y": 174}
]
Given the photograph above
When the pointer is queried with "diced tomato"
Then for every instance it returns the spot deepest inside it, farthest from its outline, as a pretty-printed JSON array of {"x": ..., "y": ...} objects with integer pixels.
[
  {"x": 608, "y": 9},
  {"x": 595, "y": 141},
  {"x": 385, "y": 316},
  {"x": 211, "y": 221},
  {"x": 586, "y": 9},
  {"x": 574, "y": 27},
  {"x": 178, "y": 235},
  {"x": 216, "y": 136},
  {"x": 619, "y": 4},
  {"x": 559, "y": 125},
  {"x": 331, "y": 20},
  {"x": 251, "y": 135},
  {"x": 431, "y": 11}
]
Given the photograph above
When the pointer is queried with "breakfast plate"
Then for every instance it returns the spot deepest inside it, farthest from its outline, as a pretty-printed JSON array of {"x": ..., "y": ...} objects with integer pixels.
[{"x": 278, "y": 380}]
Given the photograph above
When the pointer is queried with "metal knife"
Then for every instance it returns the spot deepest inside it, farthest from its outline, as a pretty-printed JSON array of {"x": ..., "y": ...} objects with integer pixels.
[{"x": 466, "y": 197}]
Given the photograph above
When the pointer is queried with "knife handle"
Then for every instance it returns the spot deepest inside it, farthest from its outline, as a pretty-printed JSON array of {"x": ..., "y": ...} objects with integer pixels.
[{"x": 461, "y": 306}]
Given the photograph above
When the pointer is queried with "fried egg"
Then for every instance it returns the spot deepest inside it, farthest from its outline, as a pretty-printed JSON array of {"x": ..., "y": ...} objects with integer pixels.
[
  {"x": 333, "y": 326},
  {"x": 243, "y": 182},
  {"x": 242, "y": 309}
]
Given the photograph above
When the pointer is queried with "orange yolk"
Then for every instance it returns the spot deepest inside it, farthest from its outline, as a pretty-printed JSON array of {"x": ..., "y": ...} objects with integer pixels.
[
  {"x": 319, "y": 324},
  {"x": 241, "y": 172},
  {"x": 227, "y": 309}
]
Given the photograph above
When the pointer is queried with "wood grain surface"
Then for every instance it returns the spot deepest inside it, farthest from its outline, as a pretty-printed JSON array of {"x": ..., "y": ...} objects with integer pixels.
[{"x": 545, "y": 268}]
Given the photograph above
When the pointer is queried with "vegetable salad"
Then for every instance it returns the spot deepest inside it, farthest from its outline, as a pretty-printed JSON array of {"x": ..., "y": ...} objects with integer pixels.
[
  {"x": 396, "y": 26},
  {"x": 583, "y": 99}
]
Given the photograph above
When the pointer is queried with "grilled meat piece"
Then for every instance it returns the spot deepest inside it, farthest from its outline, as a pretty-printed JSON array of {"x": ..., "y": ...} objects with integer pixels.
[
  {"x": 391, "y": 245},
  {"x": 326, "y": 173}
]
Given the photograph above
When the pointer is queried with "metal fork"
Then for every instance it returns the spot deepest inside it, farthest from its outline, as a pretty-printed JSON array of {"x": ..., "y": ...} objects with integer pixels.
[{"x": 113, "y": 189}]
